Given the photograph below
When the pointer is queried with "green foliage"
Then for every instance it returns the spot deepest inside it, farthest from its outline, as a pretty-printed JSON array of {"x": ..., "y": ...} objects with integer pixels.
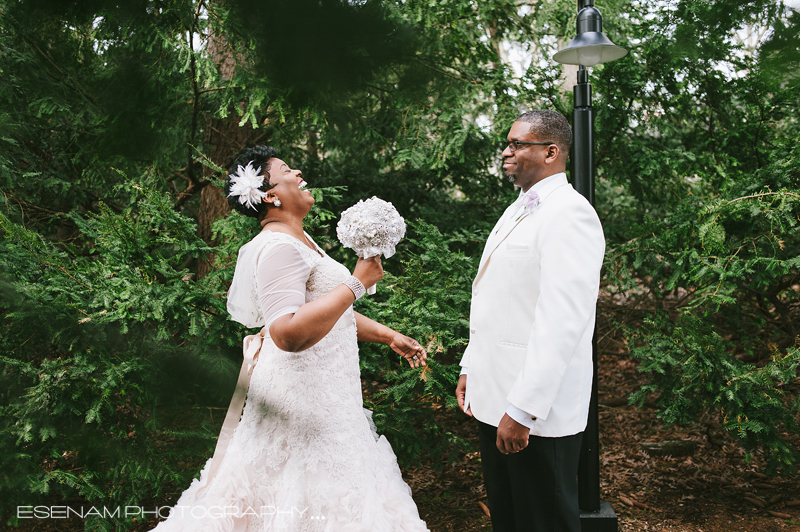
[
  {"x": 693, "y": 372},
  {"x": 727, "y": 271},
  {"x": 97, "y": 345},
  {"x": 697, "y": 187},
  {"x": 429, "y": 301}
]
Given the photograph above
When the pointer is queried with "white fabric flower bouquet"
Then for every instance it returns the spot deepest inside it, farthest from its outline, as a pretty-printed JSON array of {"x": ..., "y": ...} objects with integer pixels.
[{"x": 372, "y": 227}]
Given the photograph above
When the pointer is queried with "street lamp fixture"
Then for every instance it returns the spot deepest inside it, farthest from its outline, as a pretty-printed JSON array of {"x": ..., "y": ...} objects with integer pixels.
[{"x": 590, "y": 46}]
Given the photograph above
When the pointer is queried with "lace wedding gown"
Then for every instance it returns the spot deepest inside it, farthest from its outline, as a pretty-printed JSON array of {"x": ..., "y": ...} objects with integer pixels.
[{"x": 304, "y": 456}]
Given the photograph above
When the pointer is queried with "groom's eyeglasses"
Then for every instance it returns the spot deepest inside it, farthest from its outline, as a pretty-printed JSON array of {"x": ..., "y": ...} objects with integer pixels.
[{"x": 515, "y": 144}]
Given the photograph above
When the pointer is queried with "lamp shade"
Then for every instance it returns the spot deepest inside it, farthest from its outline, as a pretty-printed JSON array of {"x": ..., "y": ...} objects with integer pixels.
[{"x": 590, "y": 46}]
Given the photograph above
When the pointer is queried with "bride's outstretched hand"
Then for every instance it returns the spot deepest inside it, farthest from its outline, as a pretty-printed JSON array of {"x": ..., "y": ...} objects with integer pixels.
[{"x": 409, "y": 349}]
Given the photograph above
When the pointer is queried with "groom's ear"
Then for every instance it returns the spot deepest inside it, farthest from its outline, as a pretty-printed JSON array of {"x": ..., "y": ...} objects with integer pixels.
[{"x": 553, "y": 154}]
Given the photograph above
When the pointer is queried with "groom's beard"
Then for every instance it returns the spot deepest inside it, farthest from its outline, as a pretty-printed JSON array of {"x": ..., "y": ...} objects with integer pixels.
[{"x": 510, "y": 176}]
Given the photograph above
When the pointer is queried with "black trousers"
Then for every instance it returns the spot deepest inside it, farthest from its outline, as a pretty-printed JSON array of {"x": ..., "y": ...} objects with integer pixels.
[{"x": 534, "y": 490}]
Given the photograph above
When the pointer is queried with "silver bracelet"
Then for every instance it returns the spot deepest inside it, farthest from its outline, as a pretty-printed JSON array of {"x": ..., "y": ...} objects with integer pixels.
[{"x": 355, "y": 285}]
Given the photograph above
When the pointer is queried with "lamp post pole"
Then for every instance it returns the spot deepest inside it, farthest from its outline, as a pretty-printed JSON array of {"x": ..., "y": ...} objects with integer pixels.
[
  {"x": 583, "y": 181},
  {"x": 589, "y": 47},
  {"x": 583, "y": 137}
]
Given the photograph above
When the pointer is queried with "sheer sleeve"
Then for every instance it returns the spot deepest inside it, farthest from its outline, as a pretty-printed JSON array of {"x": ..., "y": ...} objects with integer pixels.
[{"x": 281, "y": 278}]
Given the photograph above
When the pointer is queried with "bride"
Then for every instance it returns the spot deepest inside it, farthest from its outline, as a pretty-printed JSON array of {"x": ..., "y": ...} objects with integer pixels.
[{"x": 304, "y": 456}]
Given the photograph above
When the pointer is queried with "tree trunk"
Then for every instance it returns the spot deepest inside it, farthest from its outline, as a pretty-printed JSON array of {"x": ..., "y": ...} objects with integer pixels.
[{"x": 223, "y": 140}]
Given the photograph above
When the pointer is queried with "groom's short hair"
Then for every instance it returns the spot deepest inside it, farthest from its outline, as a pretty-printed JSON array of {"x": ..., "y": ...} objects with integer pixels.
[{"x": 550, "y": 126}]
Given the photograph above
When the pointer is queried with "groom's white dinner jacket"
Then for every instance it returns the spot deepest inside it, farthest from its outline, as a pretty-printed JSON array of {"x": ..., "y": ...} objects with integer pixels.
[{"x": 533, "y": 311}]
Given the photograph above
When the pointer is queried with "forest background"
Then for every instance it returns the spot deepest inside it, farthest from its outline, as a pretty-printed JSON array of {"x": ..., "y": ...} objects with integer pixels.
[{"x": 119, "y": 118}]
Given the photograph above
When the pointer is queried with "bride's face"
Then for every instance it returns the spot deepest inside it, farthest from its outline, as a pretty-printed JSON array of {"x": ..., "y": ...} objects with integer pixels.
[{"x": 288, "y": 186}]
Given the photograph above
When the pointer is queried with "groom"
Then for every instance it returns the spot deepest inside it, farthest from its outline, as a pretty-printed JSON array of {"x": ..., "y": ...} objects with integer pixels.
[{"x": 527, "y": 372}]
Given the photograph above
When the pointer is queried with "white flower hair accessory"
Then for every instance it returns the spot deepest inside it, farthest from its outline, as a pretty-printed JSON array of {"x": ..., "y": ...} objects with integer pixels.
[{"x": 245, "y": 183}]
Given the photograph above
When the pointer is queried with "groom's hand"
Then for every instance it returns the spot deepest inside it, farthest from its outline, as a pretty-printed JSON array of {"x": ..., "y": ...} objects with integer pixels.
[{"x": 512, "y": 437}]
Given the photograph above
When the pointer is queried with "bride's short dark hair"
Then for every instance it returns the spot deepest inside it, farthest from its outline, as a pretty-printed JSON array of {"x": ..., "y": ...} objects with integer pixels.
[{"x": 258, "y": 156}]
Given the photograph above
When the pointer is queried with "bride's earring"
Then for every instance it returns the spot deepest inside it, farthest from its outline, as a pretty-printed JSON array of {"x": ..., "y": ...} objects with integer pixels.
[{"x": 277, "y": 202}]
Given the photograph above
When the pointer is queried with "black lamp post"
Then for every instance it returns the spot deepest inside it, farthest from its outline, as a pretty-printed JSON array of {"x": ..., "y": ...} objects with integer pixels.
[{"x": 589, "y": 47}]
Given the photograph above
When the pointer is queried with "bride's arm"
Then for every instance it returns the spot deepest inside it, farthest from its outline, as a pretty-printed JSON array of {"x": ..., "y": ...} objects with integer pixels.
[
  {"x": 307, "y": 325},
  {"x": 372, "y": 331}
]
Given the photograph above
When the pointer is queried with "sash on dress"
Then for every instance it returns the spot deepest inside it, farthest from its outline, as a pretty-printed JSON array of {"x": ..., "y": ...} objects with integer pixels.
[{"x": 251, "y": 349}]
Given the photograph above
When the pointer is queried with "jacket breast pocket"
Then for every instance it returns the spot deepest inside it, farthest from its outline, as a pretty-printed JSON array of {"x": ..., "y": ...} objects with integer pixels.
[{"x": 518, "y": 250}]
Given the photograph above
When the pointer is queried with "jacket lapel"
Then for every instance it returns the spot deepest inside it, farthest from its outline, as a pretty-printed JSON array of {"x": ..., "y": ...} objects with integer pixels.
[
  {"x": 498, "y": 234},
  {"x": 504, "y": 227}
]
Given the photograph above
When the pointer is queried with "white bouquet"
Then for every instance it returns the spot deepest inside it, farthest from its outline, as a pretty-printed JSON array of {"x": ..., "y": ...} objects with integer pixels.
[{"x": 372, "y": 227}]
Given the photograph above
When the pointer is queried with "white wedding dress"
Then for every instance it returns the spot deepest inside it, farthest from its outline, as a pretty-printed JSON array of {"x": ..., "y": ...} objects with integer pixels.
[{"x": 304, "y": 456}]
